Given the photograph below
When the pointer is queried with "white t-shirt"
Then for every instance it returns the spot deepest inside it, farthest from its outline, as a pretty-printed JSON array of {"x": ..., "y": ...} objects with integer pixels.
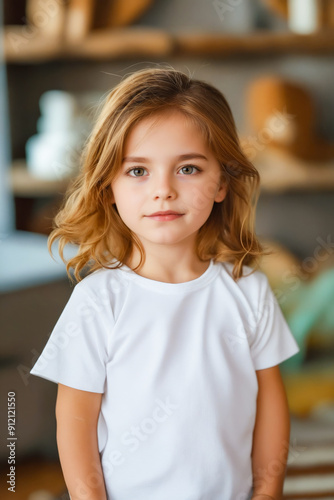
[{"x": 176, "y": 365}]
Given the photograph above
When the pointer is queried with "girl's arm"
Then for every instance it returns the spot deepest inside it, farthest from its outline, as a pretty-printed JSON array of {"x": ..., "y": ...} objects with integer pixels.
[
  {"x": 271, "y": 436},
  {"x": 77, "y": 415}
]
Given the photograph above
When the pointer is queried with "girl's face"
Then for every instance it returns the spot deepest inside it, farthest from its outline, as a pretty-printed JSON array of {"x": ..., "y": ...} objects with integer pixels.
[{"x": 168, "y": 182}]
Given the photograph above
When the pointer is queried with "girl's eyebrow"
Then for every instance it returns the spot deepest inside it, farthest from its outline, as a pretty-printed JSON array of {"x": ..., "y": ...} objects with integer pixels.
[{"x": 187, "y": 156}]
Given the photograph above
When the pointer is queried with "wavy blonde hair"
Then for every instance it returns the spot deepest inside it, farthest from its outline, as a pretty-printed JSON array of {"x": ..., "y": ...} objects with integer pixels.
[{"x": 89, "y": 218}]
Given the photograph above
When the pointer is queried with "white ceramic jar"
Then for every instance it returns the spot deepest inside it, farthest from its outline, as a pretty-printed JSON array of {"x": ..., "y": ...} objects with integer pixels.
[
  {"x": 54, "y": 152},
  {"x": 303, "y": 16}
]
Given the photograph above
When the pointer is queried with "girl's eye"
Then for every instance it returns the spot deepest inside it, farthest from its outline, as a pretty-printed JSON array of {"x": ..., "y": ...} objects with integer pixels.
[
  {"x": 189, "y": 169},
  {"x": 136, "y": 172}
]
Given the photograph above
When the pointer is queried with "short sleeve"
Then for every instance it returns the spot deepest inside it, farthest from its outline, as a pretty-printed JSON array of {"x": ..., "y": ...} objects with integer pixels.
[
  {"x": 77, "y": 351},
  {"x": 272, "y": 341}
]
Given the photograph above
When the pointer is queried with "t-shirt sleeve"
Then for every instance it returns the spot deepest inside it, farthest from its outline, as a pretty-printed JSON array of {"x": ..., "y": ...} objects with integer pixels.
[
  {"x": 272, "y": 340},
  {"x": 77, "y": 351}
]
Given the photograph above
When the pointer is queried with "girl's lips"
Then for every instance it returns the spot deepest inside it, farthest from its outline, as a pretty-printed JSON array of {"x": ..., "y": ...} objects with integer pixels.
[{"x": 165, "y": 216}]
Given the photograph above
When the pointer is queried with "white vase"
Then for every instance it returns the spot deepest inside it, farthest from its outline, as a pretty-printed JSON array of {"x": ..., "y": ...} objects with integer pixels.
[
  {"x": 303, "y": 16},
  {"x": 54, "y": 153}
]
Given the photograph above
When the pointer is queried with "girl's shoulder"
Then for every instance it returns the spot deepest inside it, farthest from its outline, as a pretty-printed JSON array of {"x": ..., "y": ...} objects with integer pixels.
[
  {"x": 250, "y": 277},
  {"x": 251, "y": 288},
  {"x": 105, "y": 281}
]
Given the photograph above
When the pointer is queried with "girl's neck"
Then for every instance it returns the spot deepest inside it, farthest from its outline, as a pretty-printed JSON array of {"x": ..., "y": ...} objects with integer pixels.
[{"x": 170, "y": 267}]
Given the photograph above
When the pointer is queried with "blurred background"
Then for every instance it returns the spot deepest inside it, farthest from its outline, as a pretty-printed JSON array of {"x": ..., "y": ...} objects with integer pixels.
[{"x": 274, "y": 62}]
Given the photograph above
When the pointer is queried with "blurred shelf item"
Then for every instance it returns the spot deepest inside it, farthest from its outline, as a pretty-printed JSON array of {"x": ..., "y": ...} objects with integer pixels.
[
  {"x": 324, "y": 8},
  {"x": 281, "y": 172},
  {"x": 278, "y": 6},
  {"x": 117, "y": 12},
  {"x": 24, "y": 45},
  {"x": 26, "y": 185},
  {"x": 86, "y": 16}
]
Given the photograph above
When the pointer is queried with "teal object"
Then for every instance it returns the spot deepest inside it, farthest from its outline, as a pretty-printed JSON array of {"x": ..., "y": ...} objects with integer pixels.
[{"x": 309, "y": 307}]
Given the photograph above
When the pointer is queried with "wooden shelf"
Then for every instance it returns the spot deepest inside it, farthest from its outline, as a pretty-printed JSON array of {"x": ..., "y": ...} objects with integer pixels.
[
  {"x": 98, "y": 45},
  {"x": 279, "y": 173},
  {"x": 257, "y": 43},
  {"x": 25, "y": 185},
  {"x": 144, "y": 42}
]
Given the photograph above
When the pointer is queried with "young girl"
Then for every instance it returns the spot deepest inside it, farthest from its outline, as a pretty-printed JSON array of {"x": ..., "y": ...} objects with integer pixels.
[{"x": 166, "y": 355}]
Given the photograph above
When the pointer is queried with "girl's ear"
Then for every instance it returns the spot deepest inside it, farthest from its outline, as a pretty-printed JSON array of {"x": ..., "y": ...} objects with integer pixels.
[{"x": 222, "y": 192}]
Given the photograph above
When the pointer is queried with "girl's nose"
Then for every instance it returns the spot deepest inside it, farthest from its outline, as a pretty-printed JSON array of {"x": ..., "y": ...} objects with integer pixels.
[{"x": 164, "y": 188}]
